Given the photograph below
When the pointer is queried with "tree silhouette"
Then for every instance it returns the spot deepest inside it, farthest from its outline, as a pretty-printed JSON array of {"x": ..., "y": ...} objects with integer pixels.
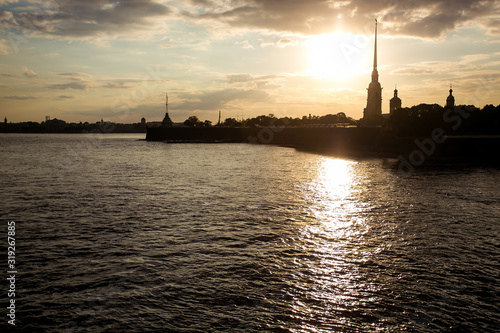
[
  {"x": 192, "y": 121},
  {"x": 422, "y": 119},
  {"x": 231, "y": 122}
]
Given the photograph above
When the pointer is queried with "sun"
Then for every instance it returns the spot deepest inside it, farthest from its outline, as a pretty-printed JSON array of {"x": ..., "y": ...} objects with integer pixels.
[{"x": 336, "y": 56}]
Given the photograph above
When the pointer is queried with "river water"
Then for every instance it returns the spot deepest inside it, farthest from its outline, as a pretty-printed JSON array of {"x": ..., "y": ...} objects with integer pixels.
[{"x": 114, "y": 233}]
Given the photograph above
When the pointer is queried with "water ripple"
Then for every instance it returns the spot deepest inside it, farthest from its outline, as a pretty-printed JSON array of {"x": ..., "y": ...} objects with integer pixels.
[{"x": 150, "y": 237}]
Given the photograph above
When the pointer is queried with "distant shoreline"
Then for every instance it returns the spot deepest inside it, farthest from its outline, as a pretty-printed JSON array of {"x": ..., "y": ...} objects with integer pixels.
[{"x": 72, "y": 133}]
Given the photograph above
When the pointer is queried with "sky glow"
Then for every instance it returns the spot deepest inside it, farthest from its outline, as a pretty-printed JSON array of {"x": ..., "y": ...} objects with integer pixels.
[{"x": 87, "y": 60}]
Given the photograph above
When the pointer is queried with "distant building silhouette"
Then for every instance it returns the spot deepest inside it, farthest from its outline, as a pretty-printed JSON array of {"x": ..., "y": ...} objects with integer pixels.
[
  {"x": 55, "y": 125},
  {"x": 450, "y": 100},
  {"x": 373, "y": 110},
  {"x": 166, "y": 120},
  {"x": 395, "y": 102},
  {"x": 143, "y": 121}
]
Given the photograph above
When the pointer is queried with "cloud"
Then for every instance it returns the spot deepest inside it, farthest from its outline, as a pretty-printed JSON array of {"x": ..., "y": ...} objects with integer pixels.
[
  {"x": 81, "y": 19},
  {"x": 77, "y": 85},
  {"x": 21, "y": 98},
  {"x": 237, "y": 78},
  {"x": 136, "y": 52},
  {"x": 213, "y": 100},
  {"x": 493, "y": 26},
  {"x": 423, "y": 18},
  {"x": 412, "y": 71},
  {"x": 7, "y": 19},
  {"x": 247, "y": 81},
  {"x": 4, "y": 48},
  {"x": 245, "y": 44},
  {"x": 164, "y": 46},
  {"x": 479, "y": 63},
  {"x": 110, "y": 18},
  {"x": 286, "y": 42},
  {"x": 281, "y": 43},
  {"x": 28, "y": 72},
  {"x": 119, "y": 84},
  {"x": 75, "y": 74}
]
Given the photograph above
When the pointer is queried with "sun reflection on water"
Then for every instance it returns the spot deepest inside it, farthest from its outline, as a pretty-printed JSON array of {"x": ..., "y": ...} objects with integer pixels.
[
  {"x": 328, "y": 281},
  {"x": 334, "y": 202}
]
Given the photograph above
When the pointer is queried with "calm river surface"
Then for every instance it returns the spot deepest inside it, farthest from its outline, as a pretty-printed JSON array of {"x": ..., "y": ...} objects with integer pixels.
[{"x": 116, "y": 234}]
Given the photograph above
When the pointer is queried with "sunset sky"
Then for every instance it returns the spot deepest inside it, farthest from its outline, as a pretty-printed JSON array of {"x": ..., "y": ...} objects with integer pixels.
[{"x": 87, "y": 60}]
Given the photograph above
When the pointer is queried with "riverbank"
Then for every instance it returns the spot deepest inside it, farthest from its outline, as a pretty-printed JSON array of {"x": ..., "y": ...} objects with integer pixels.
[{"x": 366, "y": 141}]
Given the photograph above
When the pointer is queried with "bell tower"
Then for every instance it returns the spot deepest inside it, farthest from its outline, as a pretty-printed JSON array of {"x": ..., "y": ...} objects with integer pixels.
[
  {"x": 395, "y": 102},
  {"x": 450, "y": 100}
]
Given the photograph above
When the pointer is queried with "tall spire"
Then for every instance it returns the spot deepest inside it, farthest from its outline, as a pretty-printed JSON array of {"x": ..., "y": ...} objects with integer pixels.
[
  {"x": 166, "y": 120},
  {"x": 373, "y": 109},
  {"x": 375, "y": 53},
  {"x": 166, "y": 102},
  {"x": 375, "y": 72}
]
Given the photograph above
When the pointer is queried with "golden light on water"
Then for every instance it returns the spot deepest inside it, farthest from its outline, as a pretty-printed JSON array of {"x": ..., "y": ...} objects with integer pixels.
[
  {"x": 332, "y": 190},
  {"x": 333, "y": 240},
  {"x": 335, "y": 177}
]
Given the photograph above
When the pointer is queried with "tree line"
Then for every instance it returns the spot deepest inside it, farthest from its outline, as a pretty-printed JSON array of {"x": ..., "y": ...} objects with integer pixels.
[
  {"x": 418, "y": 120},
  {"x": 422, "y": 119},
  {"x": 272, "y": 120}
]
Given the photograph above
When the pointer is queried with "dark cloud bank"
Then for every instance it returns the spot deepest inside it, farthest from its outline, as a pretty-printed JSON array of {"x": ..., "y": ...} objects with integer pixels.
[
  {"x": 77, "y": 18},
  {"x": 422, "y": 18}
]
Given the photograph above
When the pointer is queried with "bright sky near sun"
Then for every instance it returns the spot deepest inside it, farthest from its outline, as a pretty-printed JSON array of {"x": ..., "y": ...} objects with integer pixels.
[{"x": 82, "y": 60}]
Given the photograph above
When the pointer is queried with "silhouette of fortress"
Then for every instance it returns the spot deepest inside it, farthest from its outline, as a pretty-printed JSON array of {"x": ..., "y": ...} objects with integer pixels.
[
  {"x": 369, "y": 138},
  {"x": 372, "y": 113}
]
